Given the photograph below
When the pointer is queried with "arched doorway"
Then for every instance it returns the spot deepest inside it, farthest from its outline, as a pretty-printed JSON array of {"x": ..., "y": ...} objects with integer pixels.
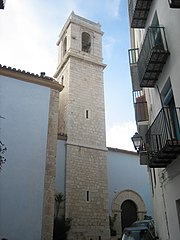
[
  {"x": 128, "y": 213},
  {"x": 124, "y": 202}
]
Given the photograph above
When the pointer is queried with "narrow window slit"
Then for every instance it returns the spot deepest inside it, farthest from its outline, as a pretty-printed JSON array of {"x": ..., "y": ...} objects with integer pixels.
[{"x": 87, "y": 196}]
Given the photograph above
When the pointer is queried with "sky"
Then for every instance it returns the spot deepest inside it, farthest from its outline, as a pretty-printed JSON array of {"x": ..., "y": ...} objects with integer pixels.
[{"x": 28, "y": 37}]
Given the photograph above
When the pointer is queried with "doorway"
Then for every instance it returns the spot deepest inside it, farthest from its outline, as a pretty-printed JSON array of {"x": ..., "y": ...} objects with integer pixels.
[{"x": 128, "y": 213}]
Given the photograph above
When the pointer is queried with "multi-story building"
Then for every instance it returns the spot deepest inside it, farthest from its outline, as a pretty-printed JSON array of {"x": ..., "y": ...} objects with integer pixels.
[{"x": 154, "y": 63}]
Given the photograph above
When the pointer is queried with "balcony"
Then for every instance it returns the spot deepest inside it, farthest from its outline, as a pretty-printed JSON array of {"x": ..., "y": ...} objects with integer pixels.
[
  {"x": 163, "y": 138},
  {"x": 138, "y": 12},
  {"x": 151, "y": 58},
  {"x": 174, "y": 3},
  {"x": 2, "y": 4}
]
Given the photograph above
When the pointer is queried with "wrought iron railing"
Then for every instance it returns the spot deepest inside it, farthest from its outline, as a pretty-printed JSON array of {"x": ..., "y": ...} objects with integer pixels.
[
  {"x": 165, "y": 129},
  {"x": 174, "y": 3},
  {"x": 2, "y": 4},
  {"x": 154, "y": 42},
  {"x": 131, "y": 9},
  {"x": 138, "y": 12}
]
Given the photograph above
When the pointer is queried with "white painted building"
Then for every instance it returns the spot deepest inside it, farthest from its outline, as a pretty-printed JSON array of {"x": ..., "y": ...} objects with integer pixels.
[
  {"x": 154, "y": 63},
  {"x": 29, "y": 107}
]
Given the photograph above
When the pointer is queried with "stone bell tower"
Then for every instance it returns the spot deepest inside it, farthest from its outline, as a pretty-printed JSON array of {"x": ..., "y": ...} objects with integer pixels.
[{"x": 82, "y": 118}]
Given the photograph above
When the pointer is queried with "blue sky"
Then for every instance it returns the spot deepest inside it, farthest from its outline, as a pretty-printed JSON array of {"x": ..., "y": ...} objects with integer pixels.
[{"x": 29, "y": 32}]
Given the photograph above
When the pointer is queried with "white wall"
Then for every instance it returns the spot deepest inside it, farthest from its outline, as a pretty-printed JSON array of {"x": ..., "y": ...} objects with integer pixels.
[
  {"x": 125, "y": 172},
  {"x": 166, "y": 188},
  {"x": 25, "y": 107},
  {"x": 172, "y": 194}
]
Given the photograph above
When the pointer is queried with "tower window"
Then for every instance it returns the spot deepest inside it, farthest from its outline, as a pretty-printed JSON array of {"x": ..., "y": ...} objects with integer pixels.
[
  {"x": 87, "y": 196},
  {"x": 62, "y": 80},
  {"x": 65, "y": 46},
  {"x": 87, "y": 114},
  {"x": 86, "y": 42}
]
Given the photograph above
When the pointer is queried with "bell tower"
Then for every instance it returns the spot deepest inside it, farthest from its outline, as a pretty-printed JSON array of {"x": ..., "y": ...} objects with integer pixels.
[{"x": 82, "y": 119}]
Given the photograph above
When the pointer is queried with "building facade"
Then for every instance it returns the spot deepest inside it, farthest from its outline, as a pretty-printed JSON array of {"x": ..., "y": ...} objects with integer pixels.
[
  {"x": 82, "y": 120},
  {"x": 54, "y": 132},
  {"x": 128, "y": 186},
  {"x": 129, "y": 199},
  {"x": 28, "y": 128},
  {"x": 154, "y": 64}
]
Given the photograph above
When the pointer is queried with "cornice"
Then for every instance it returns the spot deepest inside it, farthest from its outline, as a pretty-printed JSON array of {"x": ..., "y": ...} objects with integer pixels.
[
  {"x": 83, "y": 22},
  {"x": 30, "y": 77},
  {"x": 122, "y": 151},
  {"x": 84, "y": 58}
]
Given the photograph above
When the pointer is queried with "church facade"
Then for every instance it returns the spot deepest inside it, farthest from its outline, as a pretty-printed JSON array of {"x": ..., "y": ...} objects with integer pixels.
[{"x": 54, "y": 130}]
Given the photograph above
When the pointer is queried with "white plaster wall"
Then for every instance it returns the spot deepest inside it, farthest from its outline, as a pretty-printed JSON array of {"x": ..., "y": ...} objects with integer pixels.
[
  {"x": 172, "y": 194},
  {"x": 118, "y": 164},
  {"x": 125, "y": 172},
  {"x": 159, "y": 206},
  {"x": 170, "y": 19},
  {"x": 166, "y": 191},
  {"x": 25, "y": 107}
]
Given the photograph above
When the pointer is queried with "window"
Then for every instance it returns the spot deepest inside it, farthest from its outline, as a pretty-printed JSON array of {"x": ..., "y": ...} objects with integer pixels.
[
  {"x": 64, "y": 46},
  {"x": 178, "y": 210},
  {"x": 87, "y": 196},
  {"x": 155, "y": 21},
  {"x": 168, "y": 101},
  {"x": 62, "y": 80},
  {"x": 87, "y": 114},
  {"x": 86, "y": 42}
]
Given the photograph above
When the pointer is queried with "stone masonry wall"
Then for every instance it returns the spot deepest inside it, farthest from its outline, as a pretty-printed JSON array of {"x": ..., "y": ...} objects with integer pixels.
[
  {"x": 83, "y": 120},
  {"x": 86, "y": 174},
  {"x": 86, "y": 93},
  {"x": 50, "y": 171}
]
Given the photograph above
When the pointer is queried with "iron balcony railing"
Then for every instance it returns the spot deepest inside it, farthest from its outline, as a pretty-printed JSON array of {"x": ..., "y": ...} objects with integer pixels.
[
  {"x": 174, "y": 3},
  {"x": 163, "y": 136},
  {"x": 2, "y": 4},
  {"x": 138, "y": 12},
  {"x": 151, "y": 57}
]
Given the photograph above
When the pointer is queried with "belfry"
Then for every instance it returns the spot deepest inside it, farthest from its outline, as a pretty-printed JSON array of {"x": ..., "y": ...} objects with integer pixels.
[{"x": 82, "y": 120}]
